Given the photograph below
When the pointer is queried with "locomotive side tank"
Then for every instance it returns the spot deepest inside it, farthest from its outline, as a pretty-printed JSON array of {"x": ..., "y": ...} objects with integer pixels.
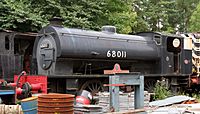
[{"x": 55, "y": 43}]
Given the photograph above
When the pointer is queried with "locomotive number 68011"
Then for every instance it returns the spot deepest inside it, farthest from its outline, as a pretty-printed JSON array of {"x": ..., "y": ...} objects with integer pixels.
[{"x": 116, "y": 54}]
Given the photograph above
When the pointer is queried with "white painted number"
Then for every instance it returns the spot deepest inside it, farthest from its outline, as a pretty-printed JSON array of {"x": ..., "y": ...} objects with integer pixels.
[
  {"x": 108, "y": 53},
  {"x": 118, "y": 54},
  {"x": 113, "y": 54}
]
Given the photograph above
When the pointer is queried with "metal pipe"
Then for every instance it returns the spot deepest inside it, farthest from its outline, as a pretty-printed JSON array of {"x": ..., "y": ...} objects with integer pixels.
[{"x": 18, "y": 78}]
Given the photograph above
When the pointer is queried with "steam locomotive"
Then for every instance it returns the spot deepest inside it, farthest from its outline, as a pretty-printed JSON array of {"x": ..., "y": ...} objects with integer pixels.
[{"x": 74, "y": 59}]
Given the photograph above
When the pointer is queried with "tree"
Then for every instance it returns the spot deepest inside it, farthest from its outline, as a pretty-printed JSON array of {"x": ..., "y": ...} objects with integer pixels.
[
  {"x": 165, "y": 15},
  {"x": 16, "y": 15},
  {"x": 185, "y": 9},
  {"x": 194, "y": 22},
  {"x": 31, "y": 15},
  {"x": 76, "y": 13},
  {"x": 154, "y": 13},
  {"x": 120, "y": 14}
]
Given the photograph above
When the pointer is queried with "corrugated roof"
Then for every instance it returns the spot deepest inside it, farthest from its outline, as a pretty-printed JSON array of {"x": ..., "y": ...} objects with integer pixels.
[{"x": 170, "y": 100}]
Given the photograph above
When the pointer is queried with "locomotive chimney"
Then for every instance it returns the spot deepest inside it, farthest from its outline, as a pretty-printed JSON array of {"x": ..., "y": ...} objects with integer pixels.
[
  {"x": 56, "y": 21},
  {"x": 109, "y": 29}
]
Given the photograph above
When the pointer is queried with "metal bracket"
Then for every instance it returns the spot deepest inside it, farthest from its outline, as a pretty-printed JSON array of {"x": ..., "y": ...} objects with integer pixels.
[{"x": 128, "y": 79}]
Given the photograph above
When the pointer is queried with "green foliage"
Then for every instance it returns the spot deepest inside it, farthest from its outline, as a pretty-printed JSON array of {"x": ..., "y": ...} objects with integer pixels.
[
  {"x": 194, "y": 22},
  {"x": 121, "y": 15},
  {"x": 165, "y": 15},
  {"x": 129, "y": 16},
  {"x": 196, "y": 96},
  {"x": 185, "y": 9},
  {"x": 76, "y": 13},
  {"x": 123, "y": 21},
  {"x": 161, "y": 91},
  {"x": 15, "y": 14},
  {"x": 155, "y": 13},
  {"x": 193, "y": 95},
  {"x": 31, "y": 15}
]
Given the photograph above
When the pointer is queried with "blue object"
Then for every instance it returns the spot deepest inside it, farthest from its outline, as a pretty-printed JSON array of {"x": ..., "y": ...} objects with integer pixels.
[
  {"x": 29, "y": 105},
  {"x": 7, "y": 92},
  {"x": 129, "y": 79}
]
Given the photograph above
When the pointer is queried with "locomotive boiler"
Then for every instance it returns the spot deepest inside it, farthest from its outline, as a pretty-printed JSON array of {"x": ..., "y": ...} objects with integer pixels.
[{"x": 76, "y": 58}]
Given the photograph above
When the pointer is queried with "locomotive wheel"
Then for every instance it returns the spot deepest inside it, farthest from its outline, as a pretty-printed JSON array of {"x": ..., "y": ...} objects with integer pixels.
[
  {"x": 93, "y": 86},
  {"x": 149, "y": 85}
]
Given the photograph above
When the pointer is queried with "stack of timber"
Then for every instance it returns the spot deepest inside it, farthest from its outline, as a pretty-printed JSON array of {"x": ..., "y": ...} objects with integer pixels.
[
  {"x": 126, "y": 100},
  {"x": 10, "y": 109},
  {"x": 88, "y": 109}
]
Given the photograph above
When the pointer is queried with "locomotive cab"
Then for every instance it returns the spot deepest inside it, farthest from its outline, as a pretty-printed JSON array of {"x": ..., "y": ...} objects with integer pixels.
[
  {"x": 172, "y": 55},
  {"x": 175, "y": 56},
  {"x": 15, "y": 53}
]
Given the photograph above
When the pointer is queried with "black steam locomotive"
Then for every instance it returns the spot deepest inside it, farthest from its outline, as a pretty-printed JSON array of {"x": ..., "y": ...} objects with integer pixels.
[{"x": 75, "y": 59}]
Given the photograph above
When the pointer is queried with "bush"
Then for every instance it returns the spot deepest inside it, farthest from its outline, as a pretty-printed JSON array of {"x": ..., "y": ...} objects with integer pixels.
[{"x": 161, "y": 90}]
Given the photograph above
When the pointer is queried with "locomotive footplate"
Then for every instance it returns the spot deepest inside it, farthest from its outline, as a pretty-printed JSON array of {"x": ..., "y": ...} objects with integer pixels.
[{"x": 78, "y": 76}]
